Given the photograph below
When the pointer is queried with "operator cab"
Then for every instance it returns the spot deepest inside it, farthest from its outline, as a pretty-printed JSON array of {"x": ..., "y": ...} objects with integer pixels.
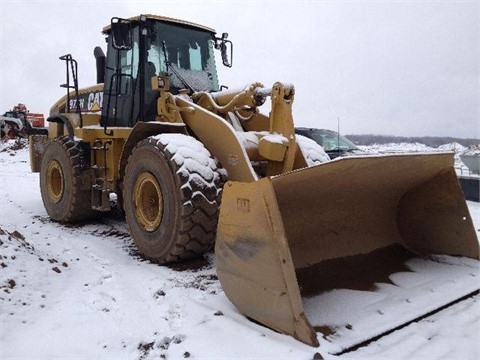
[{"x": 146, "y": 46}]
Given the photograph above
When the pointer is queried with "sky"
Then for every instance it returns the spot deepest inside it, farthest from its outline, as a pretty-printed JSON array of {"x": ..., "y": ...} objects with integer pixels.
[{"x": 404, "y": 68}]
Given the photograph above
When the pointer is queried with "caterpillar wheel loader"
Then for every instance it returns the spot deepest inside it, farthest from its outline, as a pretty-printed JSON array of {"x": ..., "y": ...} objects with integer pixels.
[{"x": 161, "y": 136}]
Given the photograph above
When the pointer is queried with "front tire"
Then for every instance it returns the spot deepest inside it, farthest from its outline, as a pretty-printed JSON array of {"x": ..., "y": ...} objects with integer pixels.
[{"x": 171, "y": 194}]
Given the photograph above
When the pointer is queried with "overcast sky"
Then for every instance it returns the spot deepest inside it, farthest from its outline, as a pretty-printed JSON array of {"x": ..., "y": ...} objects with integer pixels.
[{"x": 382, "y": 67}]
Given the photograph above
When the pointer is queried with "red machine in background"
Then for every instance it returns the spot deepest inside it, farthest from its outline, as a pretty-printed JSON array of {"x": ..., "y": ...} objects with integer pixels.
[{"x": 16, "y": 122}]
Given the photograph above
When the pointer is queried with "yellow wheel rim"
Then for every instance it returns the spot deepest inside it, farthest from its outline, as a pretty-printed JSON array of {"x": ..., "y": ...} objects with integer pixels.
[
  {"x": 148, "y": 201},
  {"x": 55, "y": 181}
]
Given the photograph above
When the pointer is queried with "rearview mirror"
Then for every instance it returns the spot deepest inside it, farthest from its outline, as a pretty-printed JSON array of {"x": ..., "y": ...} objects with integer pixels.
[
  {"x": 226, "y": 47},
  {"x": 121, "y": 34}
]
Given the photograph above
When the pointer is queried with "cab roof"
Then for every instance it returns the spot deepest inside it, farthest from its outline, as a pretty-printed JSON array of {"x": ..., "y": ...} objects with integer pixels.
[{"x": 134, "y": 19}]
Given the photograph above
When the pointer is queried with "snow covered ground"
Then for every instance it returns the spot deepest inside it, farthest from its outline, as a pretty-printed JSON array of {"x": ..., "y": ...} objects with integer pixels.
[
  {"x": 457, "y": 148},
  {"x": 83, "y": 292}
]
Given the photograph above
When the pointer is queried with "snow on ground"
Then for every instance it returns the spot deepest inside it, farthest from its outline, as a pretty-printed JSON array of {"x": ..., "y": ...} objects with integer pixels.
[
  {"x": 84, "y": 292},
  {"x": 392, "y": 148},
  {"x": 395, "y": 148}
]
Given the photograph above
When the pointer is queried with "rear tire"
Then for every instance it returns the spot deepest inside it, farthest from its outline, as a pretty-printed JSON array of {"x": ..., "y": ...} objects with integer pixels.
[
  {"x": 171, "y": 194},
  {"x": 64, "y": 185}
]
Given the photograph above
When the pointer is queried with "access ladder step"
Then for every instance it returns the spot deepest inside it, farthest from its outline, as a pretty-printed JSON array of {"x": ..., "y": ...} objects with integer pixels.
[{"x": 100, "y": 198}]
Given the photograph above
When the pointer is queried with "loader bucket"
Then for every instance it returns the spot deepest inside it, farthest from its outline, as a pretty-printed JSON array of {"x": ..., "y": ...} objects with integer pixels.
[{"x": 349, "y": 224}]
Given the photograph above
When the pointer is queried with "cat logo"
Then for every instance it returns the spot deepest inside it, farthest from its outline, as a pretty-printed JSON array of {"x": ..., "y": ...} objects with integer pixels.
[{"x": 95, "y": 101}]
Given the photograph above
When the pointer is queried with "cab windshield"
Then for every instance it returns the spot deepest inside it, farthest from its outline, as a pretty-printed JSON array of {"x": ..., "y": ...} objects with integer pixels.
[
  {"x": 330, "y": 140},
  {"x": 185, "y": 54},
  {"x": 13, "y": 114}
]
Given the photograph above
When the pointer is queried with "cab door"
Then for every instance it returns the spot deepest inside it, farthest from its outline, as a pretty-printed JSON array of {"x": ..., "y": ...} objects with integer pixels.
[{"x": 121, "y": 76}]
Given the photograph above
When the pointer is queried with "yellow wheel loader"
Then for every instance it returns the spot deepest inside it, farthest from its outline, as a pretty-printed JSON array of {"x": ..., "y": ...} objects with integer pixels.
[{"x": 158, "y": 134}]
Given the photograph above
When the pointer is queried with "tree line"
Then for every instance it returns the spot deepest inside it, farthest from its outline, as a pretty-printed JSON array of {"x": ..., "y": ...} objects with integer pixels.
[{"x": 432, "y": 141}]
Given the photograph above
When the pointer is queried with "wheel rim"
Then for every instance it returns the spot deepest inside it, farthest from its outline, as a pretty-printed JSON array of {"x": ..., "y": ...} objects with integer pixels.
[
  {"x": 148, "y": 201},
  {"x": 55, "y": 181}
]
